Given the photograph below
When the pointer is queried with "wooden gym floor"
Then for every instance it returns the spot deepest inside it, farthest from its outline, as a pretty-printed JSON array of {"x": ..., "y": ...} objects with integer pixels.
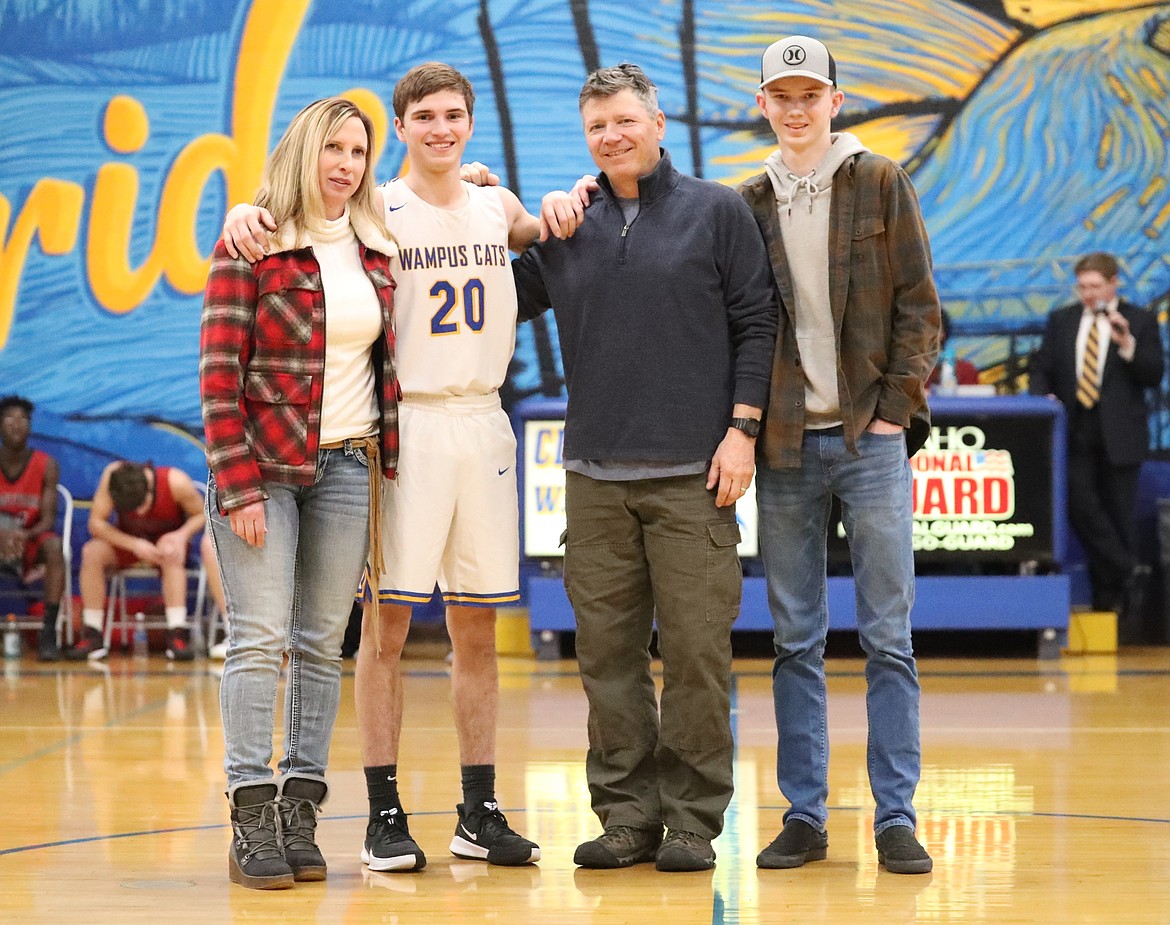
[{"x": 1045, "y": 798}]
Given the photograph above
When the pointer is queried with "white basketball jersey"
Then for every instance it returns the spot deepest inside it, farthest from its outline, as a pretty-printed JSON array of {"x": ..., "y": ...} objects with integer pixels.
[{"x": 455, "y": 305}]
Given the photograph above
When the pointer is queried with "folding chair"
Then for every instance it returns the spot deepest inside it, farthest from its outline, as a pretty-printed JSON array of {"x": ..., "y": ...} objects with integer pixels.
[{"x": 123, "y": 581}]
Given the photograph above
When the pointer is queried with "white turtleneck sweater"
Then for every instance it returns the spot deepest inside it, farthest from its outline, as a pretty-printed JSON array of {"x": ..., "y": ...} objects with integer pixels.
[
  {"x": 802, "y": 204},
  {"x": 353, "y": 324}
]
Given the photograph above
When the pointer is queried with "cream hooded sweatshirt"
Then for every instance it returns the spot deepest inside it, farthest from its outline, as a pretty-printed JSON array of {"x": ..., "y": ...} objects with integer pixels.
[{"x": 802, "y": 204}]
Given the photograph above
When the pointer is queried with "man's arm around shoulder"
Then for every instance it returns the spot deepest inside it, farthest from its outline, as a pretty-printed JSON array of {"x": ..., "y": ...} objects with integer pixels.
[{"x": 523, "y": 228}]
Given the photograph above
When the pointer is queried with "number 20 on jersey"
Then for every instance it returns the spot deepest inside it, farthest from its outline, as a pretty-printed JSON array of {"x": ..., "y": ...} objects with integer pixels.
[{"x": 470, "y": 301}]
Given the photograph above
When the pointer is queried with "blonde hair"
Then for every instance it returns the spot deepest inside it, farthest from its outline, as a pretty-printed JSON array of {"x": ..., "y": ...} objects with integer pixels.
[{"x": 291, "y": 190}]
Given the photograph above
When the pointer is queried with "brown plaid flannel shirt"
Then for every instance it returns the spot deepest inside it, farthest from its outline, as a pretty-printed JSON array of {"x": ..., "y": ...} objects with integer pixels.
[{"x": 886, "y": 311}]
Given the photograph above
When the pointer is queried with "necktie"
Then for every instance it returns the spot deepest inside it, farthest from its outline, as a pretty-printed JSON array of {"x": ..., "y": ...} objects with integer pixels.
[{"x": 1087, "y": 386}]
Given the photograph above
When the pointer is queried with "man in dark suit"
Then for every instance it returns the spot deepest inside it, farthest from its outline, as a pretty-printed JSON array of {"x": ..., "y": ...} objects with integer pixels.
[{"x": 1098, "y": 357}]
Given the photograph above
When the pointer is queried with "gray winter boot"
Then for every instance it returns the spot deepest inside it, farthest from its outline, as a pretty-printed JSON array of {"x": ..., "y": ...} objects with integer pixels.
[
  {"x": 256, "y": 859},
  {"x": 301, "y": 795}
]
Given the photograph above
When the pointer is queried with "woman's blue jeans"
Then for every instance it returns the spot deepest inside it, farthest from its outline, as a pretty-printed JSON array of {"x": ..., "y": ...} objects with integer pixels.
[{"x": 294, "y": 596}]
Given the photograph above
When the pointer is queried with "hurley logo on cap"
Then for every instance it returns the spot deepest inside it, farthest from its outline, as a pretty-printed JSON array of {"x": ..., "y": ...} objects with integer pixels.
[
  {"x": 793, "y": 55},
  {"x": 798, "y": 56}
]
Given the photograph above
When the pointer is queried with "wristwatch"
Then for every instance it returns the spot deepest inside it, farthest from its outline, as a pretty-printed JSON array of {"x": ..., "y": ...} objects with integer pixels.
[{"x": 750, "y": 426}]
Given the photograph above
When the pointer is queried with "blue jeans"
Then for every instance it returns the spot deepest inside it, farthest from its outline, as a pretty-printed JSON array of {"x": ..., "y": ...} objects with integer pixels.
[
  {"x": 292, "y": 595},
  {"x": 874, "y": 488}
]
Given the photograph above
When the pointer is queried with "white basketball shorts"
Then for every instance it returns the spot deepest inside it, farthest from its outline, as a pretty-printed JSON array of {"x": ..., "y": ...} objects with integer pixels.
[{"x": 452, "y": 516}]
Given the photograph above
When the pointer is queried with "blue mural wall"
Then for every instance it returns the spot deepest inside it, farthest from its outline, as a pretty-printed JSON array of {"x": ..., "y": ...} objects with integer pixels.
[{"x": 129, "y": 125}]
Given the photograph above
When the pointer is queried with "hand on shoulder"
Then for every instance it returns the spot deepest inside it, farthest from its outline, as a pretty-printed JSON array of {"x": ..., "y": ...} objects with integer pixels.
[
  {"x": 245, "y": 231},
  {"x": 479, "y": 174}
]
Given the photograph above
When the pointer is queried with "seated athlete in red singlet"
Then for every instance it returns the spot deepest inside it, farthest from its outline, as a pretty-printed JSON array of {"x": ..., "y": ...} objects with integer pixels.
[
  {"x": 28, "y": 510},
  {"x": 156, "y": 510}
]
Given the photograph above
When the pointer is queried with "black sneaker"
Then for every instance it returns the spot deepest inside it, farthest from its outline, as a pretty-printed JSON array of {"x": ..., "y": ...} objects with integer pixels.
[
  {"x": 90, "y": 646},
  {"x": 684, "y": 851},
  {"x": 179, "y": 645},
  {"x": 482, "y": 834},
  {"x": 797, "y": 843},
  {"x": 389, "y": 845},
  {"x": 47, "y": 648},
  {"x": 618, "y": 846},
  {"x": 900, "y": 853}
]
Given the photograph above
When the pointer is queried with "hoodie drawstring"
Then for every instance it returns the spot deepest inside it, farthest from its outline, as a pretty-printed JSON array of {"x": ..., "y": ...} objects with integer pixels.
[{"x": 806, "y": 184}]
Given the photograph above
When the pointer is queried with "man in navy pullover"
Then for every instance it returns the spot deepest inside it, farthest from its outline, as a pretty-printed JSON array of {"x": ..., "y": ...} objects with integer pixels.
[{"x": 667, "y": 315}]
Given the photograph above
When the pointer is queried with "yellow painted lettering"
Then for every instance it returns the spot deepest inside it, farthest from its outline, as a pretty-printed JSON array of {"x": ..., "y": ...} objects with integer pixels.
[
  {"x": 53, "y": 212},
  {"x": 268, "y": 37},
  {"x": 267, "y": 40},
  {"x": 186, "y": 267},
  {"x": 116, "y": 285},
  {"x": 127, "y": 127}
]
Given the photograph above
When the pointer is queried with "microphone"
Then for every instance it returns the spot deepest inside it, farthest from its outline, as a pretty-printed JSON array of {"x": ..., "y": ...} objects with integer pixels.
[{"x": 1117, "y": 323}]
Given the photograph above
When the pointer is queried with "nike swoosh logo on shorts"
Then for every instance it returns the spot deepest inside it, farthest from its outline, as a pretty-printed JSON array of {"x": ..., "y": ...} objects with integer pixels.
[{"x": 502, "y": 471}]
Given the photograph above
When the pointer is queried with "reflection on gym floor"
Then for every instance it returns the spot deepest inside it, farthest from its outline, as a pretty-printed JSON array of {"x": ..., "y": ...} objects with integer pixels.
[{"x": 1043, "y": 799}]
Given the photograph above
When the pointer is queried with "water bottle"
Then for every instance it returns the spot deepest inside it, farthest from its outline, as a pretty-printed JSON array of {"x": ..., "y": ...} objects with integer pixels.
[
  {"x": 141, "y": 646},
  {"x": 11, "y": 638},
  {"x": 947, "y": 380}
]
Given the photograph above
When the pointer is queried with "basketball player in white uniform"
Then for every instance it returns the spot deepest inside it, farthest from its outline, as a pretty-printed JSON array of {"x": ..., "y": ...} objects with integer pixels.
[{"x": 451, "y": 517}]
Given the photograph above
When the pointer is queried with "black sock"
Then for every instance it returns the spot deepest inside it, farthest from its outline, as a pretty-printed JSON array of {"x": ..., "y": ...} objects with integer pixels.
[
  {"x": 50, "y": 626},
  {"x": 382, "y": 788},
  {"x": 479, "y": 785}
]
